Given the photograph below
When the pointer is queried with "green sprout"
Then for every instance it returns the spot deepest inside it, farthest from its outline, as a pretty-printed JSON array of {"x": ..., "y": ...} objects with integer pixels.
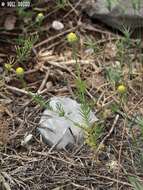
[
  {"x": 62, "y": 4},
  {"x": 25, "y": 45},
  {"x": 60, "y": 109}
]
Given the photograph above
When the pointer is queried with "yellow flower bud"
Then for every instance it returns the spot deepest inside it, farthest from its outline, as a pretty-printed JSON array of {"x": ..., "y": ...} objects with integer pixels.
[
  {"x": 20, "y": 72},
  {"x": 39, "y": 17},
  {"x": 121, "y": 89},
  {"x": 72, "y": 37},
  {"x": 8, "y": 66}
]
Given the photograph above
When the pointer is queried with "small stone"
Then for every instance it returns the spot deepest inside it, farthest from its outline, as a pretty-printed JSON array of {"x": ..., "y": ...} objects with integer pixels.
[
  {"x": 89, "y": 51},
  {"x": 26, "y": 139},
  {"x": 57, "y": 25},
  {"x": 10, "y": 22},
  {"x": 49, "y": 85},
  {"x": 118, "y": 64}
]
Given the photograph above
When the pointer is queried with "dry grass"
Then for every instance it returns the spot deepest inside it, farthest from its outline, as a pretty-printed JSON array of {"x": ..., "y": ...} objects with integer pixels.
[{"x": 51, "y": 72}]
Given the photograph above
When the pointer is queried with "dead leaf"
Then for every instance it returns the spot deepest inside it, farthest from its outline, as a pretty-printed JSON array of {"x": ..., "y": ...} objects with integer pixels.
[
  {"x": 95, "y": 81},
  {"x": 110, "y": 50}
]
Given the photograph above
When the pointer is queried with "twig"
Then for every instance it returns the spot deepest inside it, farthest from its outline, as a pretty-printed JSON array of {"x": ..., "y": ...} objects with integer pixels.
[
  {"x": 4, "y": 183},
  {"x": 112, "y": 179},
  {"x": 43, "y": 82},
  {"x": 73, "y": 8},
  {"x": 120, "y": 151},
  {"x": 22, "y": 91},
  {"x": 54, "y": 37},
  {"x": 15, "y": 89},
  {"x": 107, "y": 136}
]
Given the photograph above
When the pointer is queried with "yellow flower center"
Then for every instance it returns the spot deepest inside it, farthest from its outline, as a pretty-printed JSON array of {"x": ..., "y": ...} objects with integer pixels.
[
  {"x": 121, "y": 89},
  {"x": 19, "y": 71},
  {"x": 39, "y": 17},
  {"x": 72, "y": 37}
]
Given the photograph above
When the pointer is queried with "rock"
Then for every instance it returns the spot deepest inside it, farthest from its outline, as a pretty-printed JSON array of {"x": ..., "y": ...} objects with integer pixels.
[
  {"x": 10, "y": 22},
  {"x": 57, "y": 25},
  {"x": 89, "y": 51},
  {"x": 118, "y": 14},
  {"x": 57, "y": 124}
]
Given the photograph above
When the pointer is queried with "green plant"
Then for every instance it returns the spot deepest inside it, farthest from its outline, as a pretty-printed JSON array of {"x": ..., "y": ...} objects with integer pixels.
[
  {"x": 91, "y": 133},
  {"x": 60, "y": 109},
  {"x": 135, "y": 183},
  {"x": 136, "y": 4},
  {"x": 127, "y": 36},
  {"x": 80, "y": 84},
  {"x": 9, "y": 64},
  {"x": 85, "y": 113},
  {"x": 62, "y": 4},
  {"x": 90, "y": 43},
  {"x": 40, "y": 100},
  {"x": 24, "y": 47},
  {"x": 22, "y": 13},
  {"x": 38, "y": 21},
  {"x": 111, "y": 3},
  {"x": 114, "y": 75},
  {"x": 123, "y": 47},
  {"x": 121, "y": 51}
]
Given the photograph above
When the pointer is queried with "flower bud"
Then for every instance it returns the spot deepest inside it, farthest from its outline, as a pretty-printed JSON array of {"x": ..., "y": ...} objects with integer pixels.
[
  {"x": 72, "y": 38},
  {"x": 39, "y": 17},
  {"x": 121, "y": 89},
  {"x": 20, "y": 72}
]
